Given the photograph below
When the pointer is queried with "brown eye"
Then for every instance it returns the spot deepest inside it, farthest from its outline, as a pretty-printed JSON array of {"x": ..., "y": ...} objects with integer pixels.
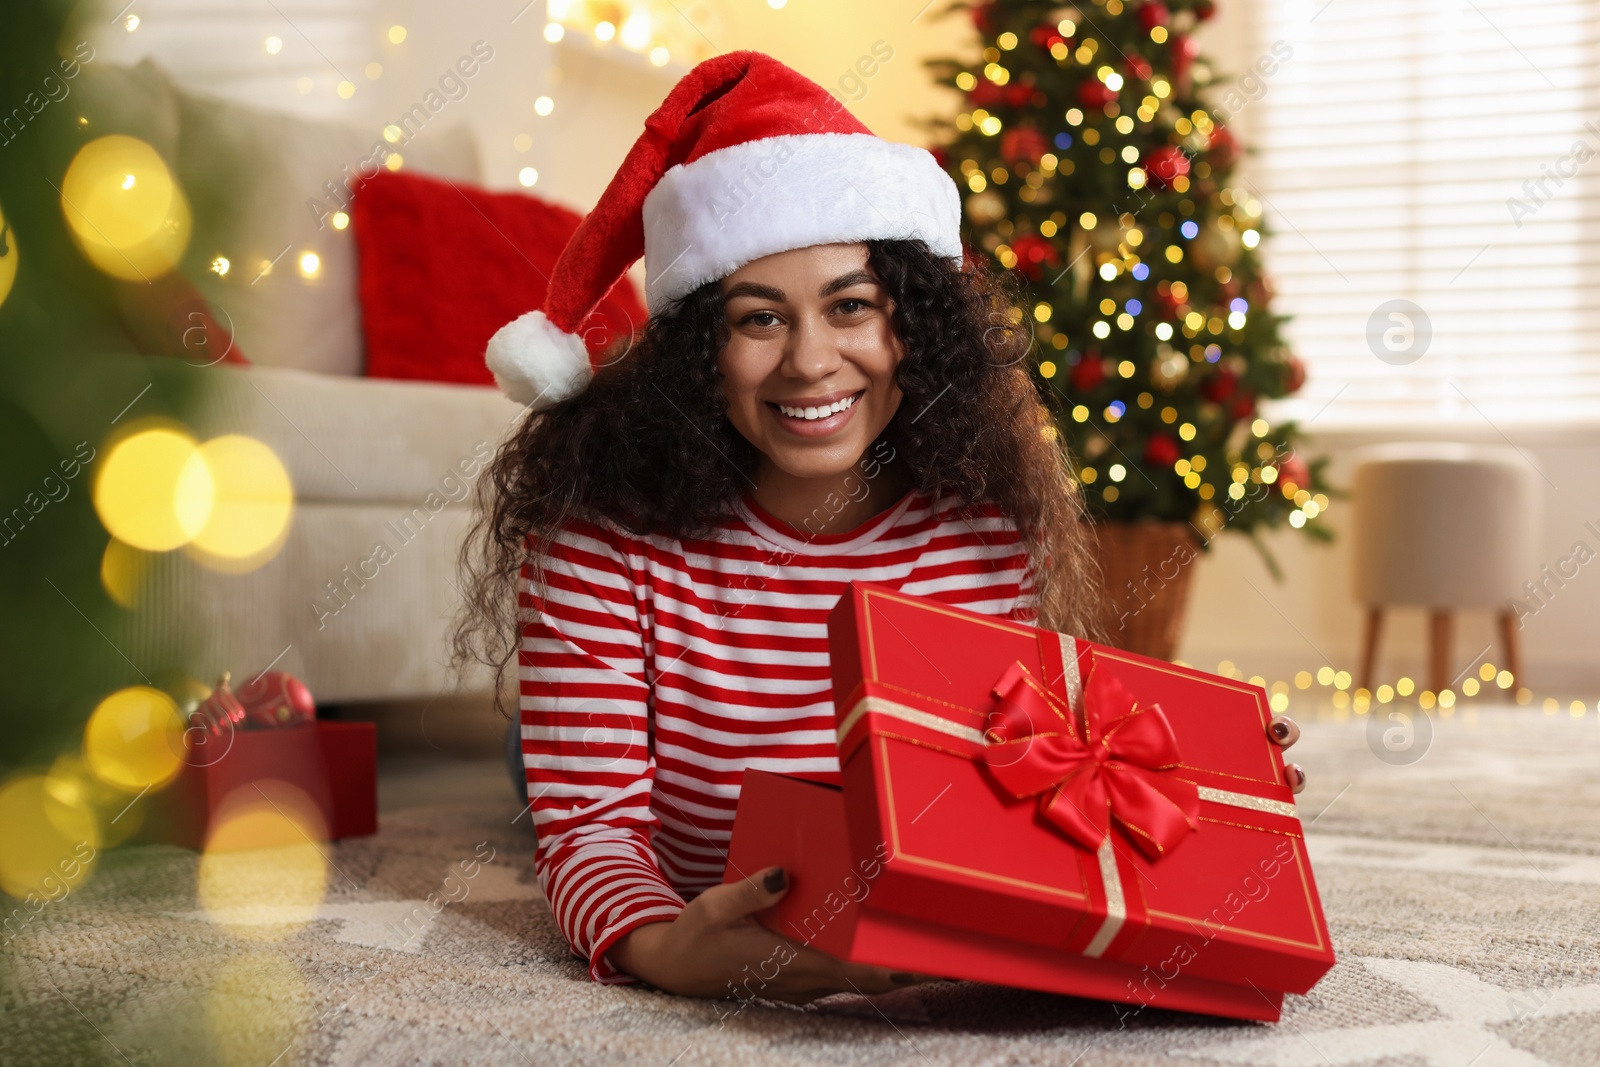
[
  {"x": 851, "y": 307},
  {"x": 750, "y": 319}
]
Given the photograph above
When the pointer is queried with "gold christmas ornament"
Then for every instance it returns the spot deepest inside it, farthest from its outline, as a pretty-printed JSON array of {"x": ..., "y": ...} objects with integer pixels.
[
  {"x": 986, "y": 207},
  {"x": 8, "y": 258},
  {"x": 1106, "y": 235},
  {"x": 1171, "y": 367},
  {"x": 1215, "y": 247}
]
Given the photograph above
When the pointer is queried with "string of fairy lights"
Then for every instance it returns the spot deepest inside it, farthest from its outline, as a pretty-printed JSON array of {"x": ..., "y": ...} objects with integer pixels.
[{"x": 1331, "y": 693}]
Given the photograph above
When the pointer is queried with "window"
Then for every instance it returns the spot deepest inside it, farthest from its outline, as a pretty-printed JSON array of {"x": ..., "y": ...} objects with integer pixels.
[{"x": 1431, "y": 172}]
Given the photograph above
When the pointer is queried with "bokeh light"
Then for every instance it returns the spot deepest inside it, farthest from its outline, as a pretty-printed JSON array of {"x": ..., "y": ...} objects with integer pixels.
[
  {"x": 47, "y": 846},
  {"x": 122, "y": 573},
  {"x": 134, "y": 739},
  {"x": 252, "y": 504},
  {"x": 263, "y": 873},
  {"x": 124, "y": 209},
  {"x": 154, "y": 490},
  {"x": 8, "y": 258},
  {"x": 258, "y": 1006},
  {"x": 71, "y": 787}
]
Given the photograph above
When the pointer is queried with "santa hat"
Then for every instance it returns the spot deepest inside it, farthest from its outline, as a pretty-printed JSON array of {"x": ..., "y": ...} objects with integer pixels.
[{"x": 744, "y": 159}]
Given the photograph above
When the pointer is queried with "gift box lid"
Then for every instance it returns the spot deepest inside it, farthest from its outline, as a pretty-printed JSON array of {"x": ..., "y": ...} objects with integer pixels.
[{"x": 1204, "y": 866}]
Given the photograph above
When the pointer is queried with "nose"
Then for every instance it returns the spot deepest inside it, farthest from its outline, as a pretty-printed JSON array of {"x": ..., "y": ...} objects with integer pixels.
[{"x": 810, "y": 353}]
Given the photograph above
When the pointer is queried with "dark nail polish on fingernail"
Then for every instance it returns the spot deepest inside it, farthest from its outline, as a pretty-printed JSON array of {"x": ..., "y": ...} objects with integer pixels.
[
  {"x": 1299, "y": 773},
  {"x": 903, "y": 978},
  {"x": 1280, "y": 730},
  {"x": 776, "y": 881}
]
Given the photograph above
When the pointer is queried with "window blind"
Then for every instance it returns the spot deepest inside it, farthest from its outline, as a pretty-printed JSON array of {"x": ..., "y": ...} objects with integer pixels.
[{"x": 1444, "y": 153}]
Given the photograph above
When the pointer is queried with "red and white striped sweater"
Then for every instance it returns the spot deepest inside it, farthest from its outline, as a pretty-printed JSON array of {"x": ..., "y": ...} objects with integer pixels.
[{"x": 658, "y": 670}]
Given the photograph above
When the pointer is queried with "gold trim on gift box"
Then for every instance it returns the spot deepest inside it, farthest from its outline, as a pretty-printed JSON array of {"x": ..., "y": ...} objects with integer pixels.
[
  {"x": 1116, "y": 903},
  {"x": 1241, "y": 932},
  {"x": 916, "y": 716},
  {"x": 1227, "y": 774},
  {"x": 1245, "y": 800}
]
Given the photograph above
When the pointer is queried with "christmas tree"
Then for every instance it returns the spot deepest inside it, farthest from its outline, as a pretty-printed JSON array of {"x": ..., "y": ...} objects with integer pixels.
[{"x": 1094, "y": 168}]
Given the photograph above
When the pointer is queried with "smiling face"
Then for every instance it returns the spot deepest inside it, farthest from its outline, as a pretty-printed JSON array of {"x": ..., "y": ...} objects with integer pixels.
[{"x": 808, "y": 369}]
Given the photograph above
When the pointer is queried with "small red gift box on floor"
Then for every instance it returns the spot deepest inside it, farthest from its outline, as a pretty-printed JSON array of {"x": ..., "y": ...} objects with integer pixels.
[
  {"x": 321, "y": 774},
  {"x": 1028, "y": 809}
]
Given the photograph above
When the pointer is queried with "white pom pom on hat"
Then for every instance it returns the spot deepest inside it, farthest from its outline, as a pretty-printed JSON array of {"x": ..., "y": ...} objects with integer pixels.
[
  {"x": 531, "y": 359},
  {"x": 745, "y": 158}
]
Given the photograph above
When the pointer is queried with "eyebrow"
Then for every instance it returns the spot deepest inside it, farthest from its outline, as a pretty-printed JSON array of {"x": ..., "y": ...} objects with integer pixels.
[{"x": 767, "y": 292}]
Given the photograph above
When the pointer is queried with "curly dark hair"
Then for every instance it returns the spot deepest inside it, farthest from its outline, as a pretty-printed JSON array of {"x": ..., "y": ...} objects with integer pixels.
[{"x": 972, "y": 424}]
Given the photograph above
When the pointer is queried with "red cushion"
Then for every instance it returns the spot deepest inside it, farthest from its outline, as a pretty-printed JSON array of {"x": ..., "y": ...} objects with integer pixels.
[{"x": 443, "y": 265}]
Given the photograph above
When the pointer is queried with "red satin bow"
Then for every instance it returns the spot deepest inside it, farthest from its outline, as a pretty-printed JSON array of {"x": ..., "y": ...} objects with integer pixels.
[{"x": 1122, "y": 770}]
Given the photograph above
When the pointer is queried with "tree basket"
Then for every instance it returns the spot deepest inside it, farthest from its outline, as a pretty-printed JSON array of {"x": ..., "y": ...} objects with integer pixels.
[{"x": 1146, "y": 569}]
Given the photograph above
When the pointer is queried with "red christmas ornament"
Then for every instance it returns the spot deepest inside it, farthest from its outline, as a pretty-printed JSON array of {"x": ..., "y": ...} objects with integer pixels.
[
  {"x": 1164, "y": 164},
  {"x": 1219, "y": 386},
  {"x": 274, "y": 699},
  {"x": 983, "y": 18},
  {"x": 1088, "y": 373},
  {"x": 1138, "y": 67},
  {"x": 1161, "y": 451},
  {"x": 1222, "y": 150},
  {"x": 220, "y": 713},
  {"x": 1034, "y": 254},
  {"x": 1245, "y": 406},
  {"x": 1185, "y": 50},
  {"x": 1023, "y": 143},
  {"x": 1294, "y": 469},
  {"x": 1019, "y": 94},
  {"x": 1094, "y": 94},
  {"x": 986, "y": 94},
  {"x": 1045, "y": 36},
  {"x": 1153, "y": 14},
  {"x": 1168, "y": 304},
  {"x": 1204, "y": 10},
  {"x": 1296, "y": 376},
  {"x": 1261, "y": 292},
  {"x": 940, "y": 156}
]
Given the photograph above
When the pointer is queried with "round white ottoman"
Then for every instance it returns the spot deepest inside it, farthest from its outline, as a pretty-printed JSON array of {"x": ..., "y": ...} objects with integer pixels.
[{"x": 1444, "y": 527}]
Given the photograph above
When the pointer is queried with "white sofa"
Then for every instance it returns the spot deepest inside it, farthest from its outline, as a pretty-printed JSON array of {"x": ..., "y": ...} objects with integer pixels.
[
  {"x": 373, "y": 462},
  {"x": 358, "y": 600}
]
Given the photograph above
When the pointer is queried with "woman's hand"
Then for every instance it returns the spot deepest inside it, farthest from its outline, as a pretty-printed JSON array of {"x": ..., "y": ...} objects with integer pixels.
[
  {"x": 715, "y": 948},
  {"x": 1284, "y": 732}
]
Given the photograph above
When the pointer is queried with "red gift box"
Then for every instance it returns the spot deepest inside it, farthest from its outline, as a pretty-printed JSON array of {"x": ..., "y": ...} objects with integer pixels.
[
  {"x": 318, "y": 773},
  {"x": 1029, "y": 809}
]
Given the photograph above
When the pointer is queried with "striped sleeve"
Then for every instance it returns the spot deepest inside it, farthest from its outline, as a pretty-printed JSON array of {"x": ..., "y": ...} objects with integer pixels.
[
  {"x": 1026, "y": 607},
  {"x": 585, "y": 707}
]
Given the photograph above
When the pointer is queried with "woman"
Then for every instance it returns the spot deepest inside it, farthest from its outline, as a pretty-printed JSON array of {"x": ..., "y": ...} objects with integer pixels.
[{"x": 825, "y": 391}]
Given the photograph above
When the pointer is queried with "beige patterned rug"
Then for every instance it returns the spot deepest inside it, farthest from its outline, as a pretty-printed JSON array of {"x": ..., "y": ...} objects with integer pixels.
[{"x": 1463, "y": 889}]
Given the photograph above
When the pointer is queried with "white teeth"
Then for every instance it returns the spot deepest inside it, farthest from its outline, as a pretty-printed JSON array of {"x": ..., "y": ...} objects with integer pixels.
[{"x": 809, "y": 413}]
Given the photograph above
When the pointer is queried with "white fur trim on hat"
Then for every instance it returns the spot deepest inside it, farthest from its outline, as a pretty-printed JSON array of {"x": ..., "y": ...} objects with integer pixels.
[
  {"x": 706, "y": 219},
  {"x": 537, "y": 364}
]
